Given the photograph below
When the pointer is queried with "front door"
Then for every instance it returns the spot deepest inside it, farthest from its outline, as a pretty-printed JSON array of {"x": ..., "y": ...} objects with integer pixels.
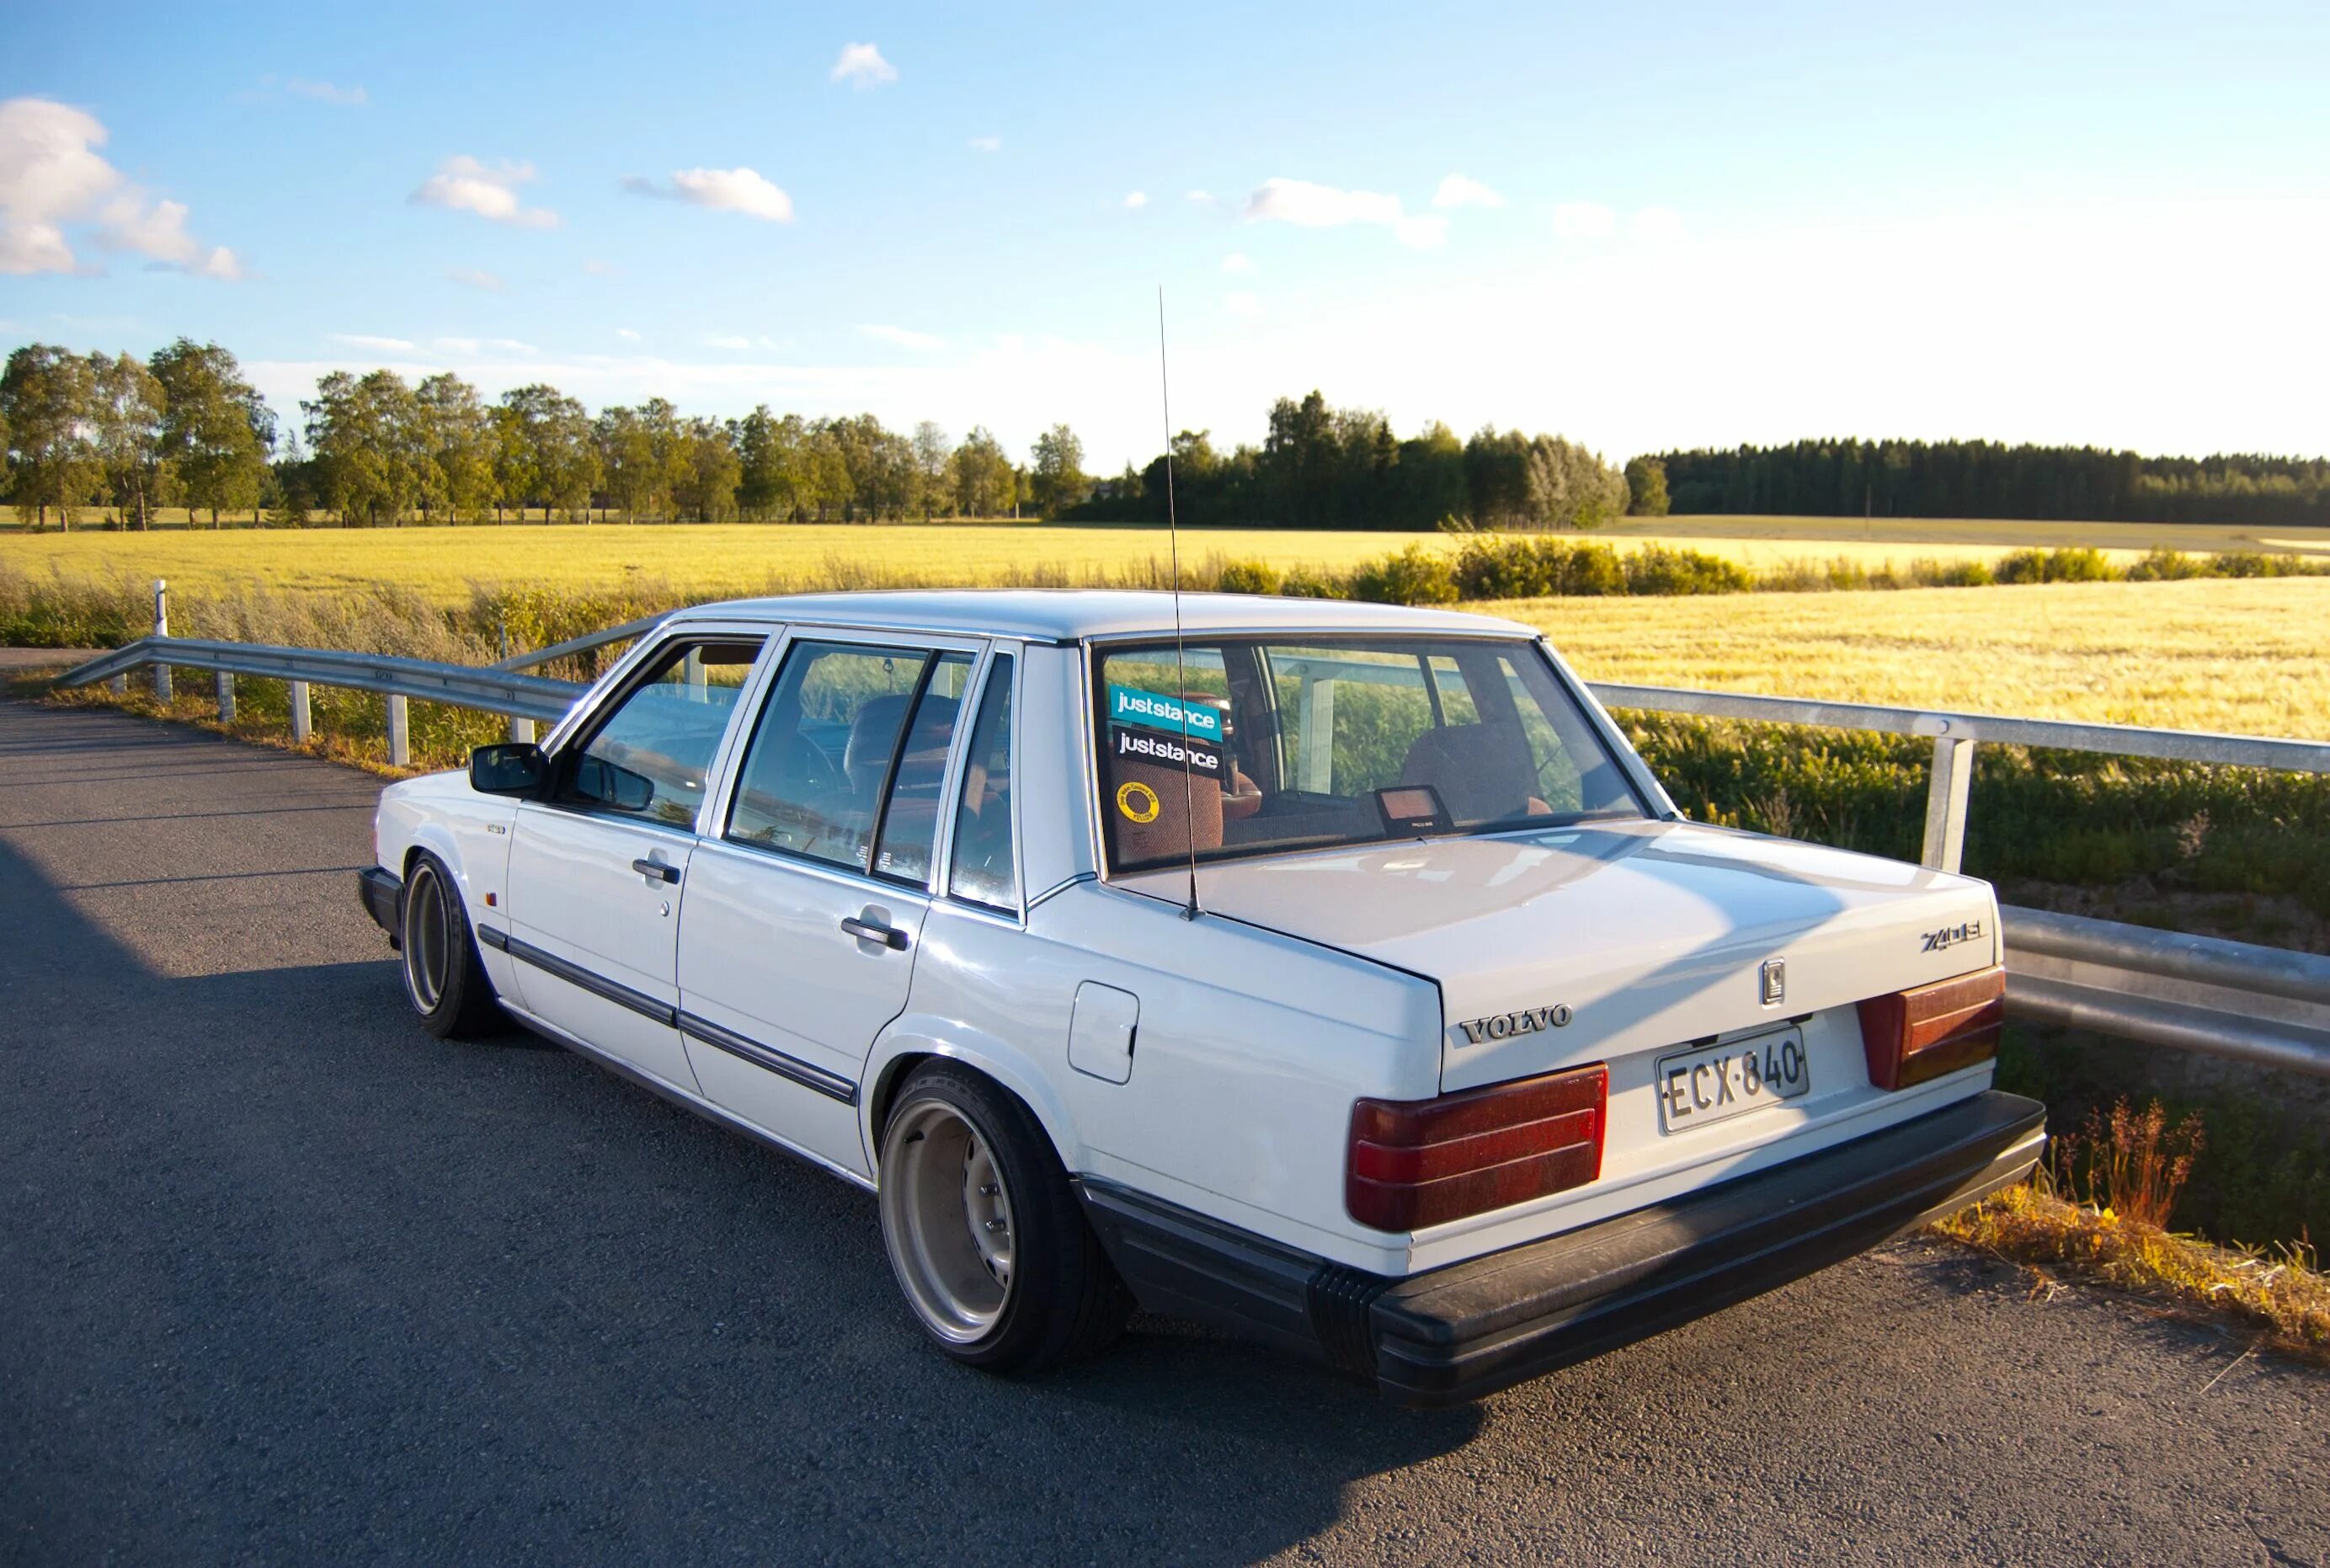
[
  {"x": 596, "y": 870},
  {"x": 797, "y": 941}
]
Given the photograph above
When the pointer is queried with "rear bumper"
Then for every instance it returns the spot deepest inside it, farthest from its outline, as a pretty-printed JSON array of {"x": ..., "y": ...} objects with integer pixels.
[
  {"x": 1457, "y": 1333},
  {"x": 378, "y": 890}
]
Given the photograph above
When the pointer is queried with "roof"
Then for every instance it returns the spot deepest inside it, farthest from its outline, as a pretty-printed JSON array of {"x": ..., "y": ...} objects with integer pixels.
[{"x": 1066, "y": 615}]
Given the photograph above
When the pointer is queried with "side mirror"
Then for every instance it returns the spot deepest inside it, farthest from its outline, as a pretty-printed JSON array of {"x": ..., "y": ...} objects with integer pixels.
[
  {"x": 511, "y": 768},
  {"x": 609, "y": 785}
]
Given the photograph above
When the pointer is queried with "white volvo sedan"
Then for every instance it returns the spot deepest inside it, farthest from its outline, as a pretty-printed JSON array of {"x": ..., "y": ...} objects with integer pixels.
[{"x": 1332, "y": 973}]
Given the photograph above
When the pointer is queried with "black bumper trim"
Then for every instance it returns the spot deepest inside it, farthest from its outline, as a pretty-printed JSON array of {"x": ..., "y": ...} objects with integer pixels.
[
  {"x": 1459, "y": 1332},
  {"x": 380, "y": 892}
]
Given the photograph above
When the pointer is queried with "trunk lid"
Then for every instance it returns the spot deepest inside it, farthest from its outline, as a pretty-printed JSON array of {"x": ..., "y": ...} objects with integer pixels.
[{"x": 1606, "y": 941}]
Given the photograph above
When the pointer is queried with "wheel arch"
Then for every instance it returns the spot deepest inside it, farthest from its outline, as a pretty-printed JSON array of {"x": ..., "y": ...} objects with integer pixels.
[{"x": 912, "y": 1040}]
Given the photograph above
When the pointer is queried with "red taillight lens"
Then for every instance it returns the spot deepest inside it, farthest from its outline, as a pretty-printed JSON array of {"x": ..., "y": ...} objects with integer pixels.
[
  {"x": 1911, "y": 1036},
  {"x": 1418, "y": 1162}
]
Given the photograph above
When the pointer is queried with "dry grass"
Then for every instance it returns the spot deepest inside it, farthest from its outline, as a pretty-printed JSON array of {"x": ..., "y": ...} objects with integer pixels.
[
  {"x": 2248, "y": 657},
  {"x": 2278, "y": 1293},
  {"x": 731, "y": 558}
]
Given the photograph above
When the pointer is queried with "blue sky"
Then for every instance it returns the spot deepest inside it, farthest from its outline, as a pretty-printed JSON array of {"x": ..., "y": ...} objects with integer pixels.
[{"x": 1694, "y": 225}]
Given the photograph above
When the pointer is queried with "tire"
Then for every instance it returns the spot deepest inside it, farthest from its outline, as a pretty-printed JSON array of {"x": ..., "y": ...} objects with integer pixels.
[
  {"x": 959, "y": 1155},
  {"x": 444, "y": 978}
]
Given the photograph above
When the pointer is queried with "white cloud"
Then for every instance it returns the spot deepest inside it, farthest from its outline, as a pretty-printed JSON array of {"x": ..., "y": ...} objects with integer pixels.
[
  {"x": 1201, "y": 198},
  {"x": 1136, "y": 200},
  {"x": 1584, "y": 221},
  {"x": 1241, "y": 304},
  {"x": 1656, "y": 225},
  {"x": 377, "y": 344},
  {"x": 472, "y": 346},
  {"x": 737, "y": 190},
  {"x": 473, "y": 277},
  {"x": 1236, "y": 261},
  {"x": 598, "y": 268},
  {"x": 627, "y": 334},
  {"x": 325, "y": 92},
  {"x": 731, "y": 340},
  {"x": 987, "y": 144},
  {"x": 52, "y": 175},
  {"x": 862, "y": 65},
  {"x": 1456, "y": 191},
  {"x": 463, "y": 184},
  {"x": 1315, "y": 206},
  {"x": 905, "y": 337}
]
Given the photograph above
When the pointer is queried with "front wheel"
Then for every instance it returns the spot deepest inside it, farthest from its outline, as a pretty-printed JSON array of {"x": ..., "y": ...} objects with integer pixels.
[
  {"x": 444, "y": 978},
  {"x": 988, "y": 1241}
]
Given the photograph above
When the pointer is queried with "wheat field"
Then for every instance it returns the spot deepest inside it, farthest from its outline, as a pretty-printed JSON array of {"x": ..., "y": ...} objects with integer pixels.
[
  {"x": 2247, "y": 657},
  {"x": 739, "y": 558}
]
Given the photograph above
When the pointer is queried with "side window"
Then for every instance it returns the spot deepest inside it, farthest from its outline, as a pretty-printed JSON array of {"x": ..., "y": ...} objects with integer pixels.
[
  {"x": 984, "y": 870},
  {"x": 910, "y": 817},
  {"x": 647, "y": 759},
  {"x": 815, "y": 776}
]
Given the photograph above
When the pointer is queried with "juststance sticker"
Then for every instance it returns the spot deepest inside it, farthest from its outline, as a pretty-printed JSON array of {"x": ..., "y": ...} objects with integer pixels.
[
  {"x": 1155, "y": 710},
  {"x": 1165, "y": 750}
]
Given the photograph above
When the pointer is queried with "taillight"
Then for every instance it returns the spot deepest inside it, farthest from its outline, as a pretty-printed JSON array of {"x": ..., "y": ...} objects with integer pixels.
[
  {"x": 1418, "y": 1162},
  {"x": 1913, "y": 1036}
]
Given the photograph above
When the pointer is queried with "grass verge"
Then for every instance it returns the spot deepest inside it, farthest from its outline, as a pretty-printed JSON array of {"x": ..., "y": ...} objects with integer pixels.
[{"x": 2277, "y": 1294}]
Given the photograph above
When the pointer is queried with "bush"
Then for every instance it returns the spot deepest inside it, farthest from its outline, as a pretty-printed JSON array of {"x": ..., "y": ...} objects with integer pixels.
[
  {"x": 2165, "y": 567},
  {"x": 2081, "y": 565},
  {"x": 1660, "y": 569},
  {"x": 1415, "y": 575},
  {"x": 1248, "y": 578}
]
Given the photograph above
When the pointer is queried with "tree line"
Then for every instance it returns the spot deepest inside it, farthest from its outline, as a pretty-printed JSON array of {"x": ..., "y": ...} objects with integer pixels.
[
  {"x": 1324, "y": 467},
  {"x": 186, "y": 428},
  {"x": 1980, "y": 478}
]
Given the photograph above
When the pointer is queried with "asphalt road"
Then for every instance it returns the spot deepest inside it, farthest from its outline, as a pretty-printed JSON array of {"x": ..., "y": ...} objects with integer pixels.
[{"x": 281, "y": 1279}]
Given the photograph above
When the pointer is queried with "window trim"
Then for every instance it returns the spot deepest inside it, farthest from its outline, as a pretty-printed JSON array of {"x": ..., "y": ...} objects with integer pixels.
[
  {"x": 1650, "y": 801},
  {"x": 719, "y": 808},
  {"x": 943, "y": 886}
]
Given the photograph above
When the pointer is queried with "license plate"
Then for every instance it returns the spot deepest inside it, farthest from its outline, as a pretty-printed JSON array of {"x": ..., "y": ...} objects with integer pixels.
[{"x": 1717, "y": 1082}]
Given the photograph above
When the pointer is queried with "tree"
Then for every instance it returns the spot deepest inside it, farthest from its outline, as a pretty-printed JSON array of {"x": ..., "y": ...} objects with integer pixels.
[
  {"x": 984, "y": 482},
  {"x": 457, "y": 433},
  {"x": 1646, "y": 487},
  {"x": 710, "y": 471},
  {"x": 216, "y": 429},
  {"x": 44, "y": 398},
  {"x": 125, "y": 429},
  {"x": 546, "y": 455},
  {"x": 370, "y": 449},
  {"x": 627, "y": 460},
  {"x": 1060, "y": 480},
  {"x": 931, "y": 451}
]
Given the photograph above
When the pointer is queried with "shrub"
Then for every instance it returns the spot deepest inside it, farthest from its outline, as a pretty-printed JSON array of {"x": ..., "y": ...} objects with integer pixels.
[
  {"x": 1248, "y": 578},
  {"x": 1415, "y": 575},
  {"x": 2165, "y": 567},
  {"x": 1661, "y": 569}
]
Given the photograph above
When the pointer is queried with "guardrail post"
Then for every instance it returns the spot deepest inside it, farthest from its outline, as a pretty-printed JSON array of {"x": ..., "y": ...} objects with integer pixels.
[
  {"x": 226, "y": 697},
  {"x": 400, "y": 735},
  {"x": 161, "y": 629},
  {"x": 1945, "y": 802},
  {"x": 118, "y": 686},
  {"x": 521, "y": 730},
  {"x": 303, "y": 723}
]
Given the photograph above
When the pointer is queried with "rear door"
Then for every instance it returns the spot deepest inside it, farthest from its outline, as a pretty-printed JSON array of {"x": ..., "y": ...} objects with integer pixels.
[
  {"x": 807, "y": 898},
  {"x": 596, "y": 870}
]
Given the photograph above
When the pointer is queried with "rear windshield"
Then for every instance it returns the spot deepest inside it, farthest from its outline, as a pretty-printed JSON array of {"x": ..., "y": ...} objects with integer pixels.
[{"x": 1253, "y": 746}]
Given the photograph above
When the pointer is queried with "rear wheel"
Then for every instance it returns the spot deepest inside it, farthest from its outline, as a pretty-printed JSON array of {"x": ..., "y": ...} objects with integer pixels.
[
  {"x": 444, "y": 978},
  {"x": 987, "y": 1240}
]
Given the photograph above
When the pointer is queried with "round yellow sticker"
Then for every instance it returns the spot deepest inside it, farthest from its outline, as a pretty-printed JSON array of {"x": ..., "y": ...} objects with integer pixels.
[{"x": 1137, "y": 802}]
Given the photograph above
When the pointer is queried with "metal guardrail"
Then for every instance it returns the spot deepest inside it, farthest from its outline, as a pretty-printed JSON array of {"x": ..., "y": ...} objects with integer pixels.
[{"x": 2230, "y": 999}]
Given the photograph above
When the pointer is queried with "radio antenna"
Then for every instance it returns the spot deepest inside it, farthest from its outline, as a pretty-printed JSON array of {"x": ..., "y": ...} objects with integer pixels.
[{"x": 1181, "y": 662}]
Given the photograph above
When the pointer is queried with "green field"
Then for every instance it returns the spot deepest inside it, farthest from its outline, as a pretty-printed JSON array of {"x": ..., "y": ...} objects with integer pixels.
[{"x": 729, "y": 559}]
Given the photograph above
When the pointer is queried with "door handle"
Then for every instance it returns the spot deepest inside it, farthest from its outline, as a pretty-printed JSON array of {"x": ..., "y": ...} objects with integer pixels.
[
  {"x": 890, "y": 936},
  {"x": 656, "y": 870}
]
